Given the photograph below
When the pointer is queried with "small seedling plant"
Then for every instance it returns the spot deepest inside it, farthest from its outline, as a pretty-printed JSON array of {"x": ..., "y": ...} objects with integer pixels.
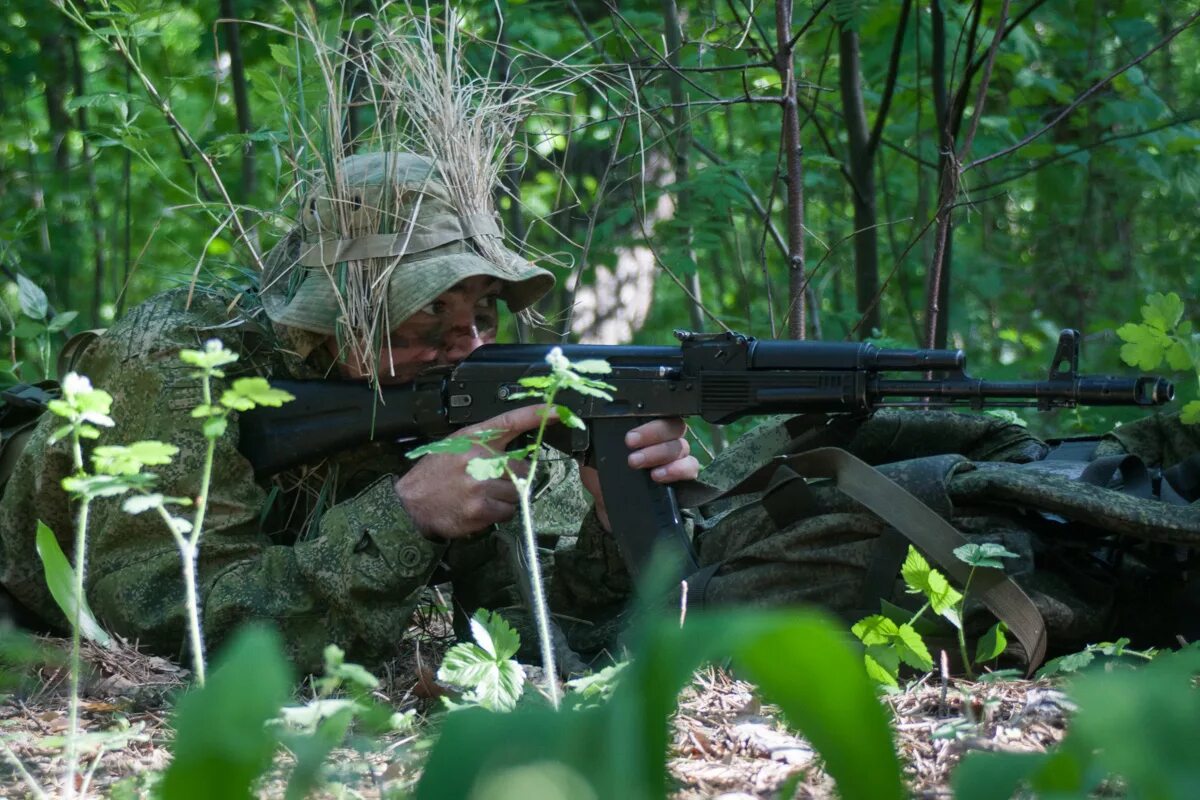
[
  {"x": 564, "y": 375},
  {"x": 119, "y": 470},
  {"x": 890, "y": 643},
  {"x": 36, "y": 325}
]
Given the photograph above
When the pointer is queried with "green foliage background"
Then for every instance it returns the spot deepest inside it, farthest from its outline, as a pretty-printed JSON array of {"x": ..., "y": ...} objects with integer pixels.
[{"x": 102, "y": 204}]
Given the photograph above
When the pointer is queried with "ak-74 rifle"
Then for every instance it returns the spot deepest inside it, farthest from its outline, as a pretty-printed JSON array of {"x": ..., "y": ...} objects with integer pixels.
[{"x": 717, "y": 377}]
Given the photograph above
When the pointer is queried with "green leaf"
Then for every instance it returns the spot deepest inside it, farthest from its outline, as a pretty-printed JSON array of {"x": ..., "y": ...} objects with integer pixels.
[
  {"x": 593, "y": 366},
  {"x": 875, "y": 629},
  {"x": 923, "y": 579},
  {"x": 60, "y": 579},
  {"x": 61, "y": 321},
  {"x": 93, "y": 486},
  {"x": 458, "y": 444},
  {"x": 213, "y": 355},
  {"x": 1190, "y": 415},
  {"x": 985, "y": 554},
  {"x": 222, "y": 740},
  {"x": 1163, "y": 311},
  {"x": 911, "y": 648},
  {"x": 119, "y": 460},
  {"x": 536, "y": 382},
  {"x": 337, "y": 667},
  {"x": 493, "y": 633},
  {"x": 140, "y": 503},
  {"x": 1144, "y": 347},
  {"x": 495, "y": 685},
  {"x": 214, "y": 427},
  {"x": 248, "y": 393},
  {"x": 1178, "y": 356},
  {"x": 1072, "y": 662},
  {"x": 569, "y": 418},
  {"x": 486, "y": 468},
  {"x": 31, "y": 298},
  {"x": 882, "y": 665},
  {"x": 283, "y": 55},
  {"x": 27, "y": 329},
  {"x": 991, "y": 644}
]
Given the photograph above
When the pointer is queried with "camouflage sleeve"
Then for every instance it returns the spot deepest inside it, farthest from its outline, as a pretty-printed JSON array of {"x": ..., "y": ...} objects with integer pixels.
[
  {"x": 1162, "y": 440},
  {"x": 353, "y": 581}
]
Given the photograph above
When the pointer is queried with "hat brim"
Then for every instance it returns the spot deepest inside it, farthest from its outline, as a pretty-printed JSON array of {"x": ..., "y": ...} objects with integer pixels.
[{"x": 414, "y": 284}]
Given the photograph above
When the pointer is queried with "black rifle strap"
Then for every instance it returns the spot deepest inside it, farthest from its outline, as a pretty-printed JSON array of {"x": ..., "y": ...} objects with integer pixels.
[{"x": 1184, "y": 478}]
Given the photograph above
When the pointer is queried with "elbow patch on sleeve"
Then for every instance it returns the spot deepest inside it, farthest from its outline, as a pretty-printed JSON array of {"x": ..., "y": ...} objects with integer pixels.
[{"x": 368, "y": 545}]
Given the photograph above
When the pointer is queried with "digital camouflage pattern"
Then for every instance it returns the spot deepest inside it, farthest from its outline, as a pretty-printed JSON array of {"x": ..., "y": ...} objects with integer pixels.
[
  {"x": 1097, "y": 562},
  {"x": 326, "y": 555},
  {"x": 329, "y": 555}
]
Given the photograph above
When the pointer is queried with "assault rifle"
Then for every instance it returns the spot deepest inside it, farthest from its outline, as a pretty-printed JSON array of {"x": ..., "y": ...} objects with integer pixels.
[{"x": 717, "y": 377}]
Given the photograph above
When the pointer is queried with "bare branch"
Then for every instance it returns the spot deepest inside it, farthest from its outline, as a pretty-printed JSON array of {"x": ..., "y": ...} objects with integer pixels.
[{"x": 1091, "y": 90}]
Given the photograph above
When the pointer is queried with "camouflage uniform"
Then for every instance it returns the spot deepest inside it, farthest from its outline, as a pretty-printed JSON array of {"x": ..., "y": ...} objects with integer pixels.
[
  {"x": 1096, "y": 562},
  {"x": 325, "y": 556}
]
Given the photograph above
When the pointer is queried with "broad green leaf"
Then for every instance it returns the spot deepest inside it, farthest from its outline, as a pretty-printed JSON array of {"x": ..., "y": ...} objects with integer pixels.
[
  {"x": 61, "y": 321},
  {"x": 247, "y": 393},
  {"x": 1073, "y": 662},
  {"x": 1163, "y": 311},
  {"x": 882, "y": 665},
  {"x": 593, "y": 366},
  {"x": 911, "y": 648},
  {"x": 214, "y": 427},
  {"x": 569, "y": 418},
  {"x": 493, "y": 633},
  {"x": 1190, "y": 415},
  {"x": 985, "y": 554},
  {"x": 222, "y": 740},
  {"x": 487, "y": 467},
  {"x": 535, "y": 382},
  {"x": 93, "y": 486},
  {"x": 1178, "y": 356},
  {"x": 60, "y": 579},
  {"x": 451, "y": 444},
  {"x": 991, "y": 644},
  {"x": 140, "y": 503},
  {"x": 213, "y": 355},
  {"x": 924, "y": 579},
  {"x": 494, "y": 684},
  {"x": 586, "y": 388},
  {"x": 205, "y": 410},
  {"x": 337, "y": 667},
  {"x": 31, "y": 298},
  {"x": 875, "y": 629},
  {"x": 1144, "y": 346},
  {"x": 122, "y": 460},
  {"x": 599, "y": 685},
  {"x": 27, "y": 329}
]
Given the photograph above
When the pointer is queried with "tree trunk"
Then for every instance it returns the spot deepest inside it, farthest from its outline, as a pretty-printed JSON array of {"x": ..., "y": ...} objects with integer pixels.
[
  {"x": 862, "y": 185},
  {"x": 241, "y": 100},
  {"x": 93, "y": 201},
  {"x": 785, "y": 64}
]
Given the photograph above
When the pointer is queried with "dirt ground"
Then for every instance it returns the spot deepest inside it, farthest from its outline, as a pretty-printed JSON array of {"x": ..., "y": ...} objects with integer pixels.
[{"x": 726, "y": 743}]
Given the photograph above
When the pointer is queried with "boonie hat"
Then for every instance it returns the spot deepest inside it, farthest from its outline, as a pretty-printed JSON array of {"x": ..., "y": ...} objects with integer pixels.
[{"x": 388, "y": 216}]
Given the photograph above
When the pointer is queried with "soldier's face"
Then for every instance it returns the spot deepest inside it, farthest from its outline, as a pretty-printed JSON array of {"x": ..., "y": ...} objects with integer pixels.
[{"x": 444, "y": 332}]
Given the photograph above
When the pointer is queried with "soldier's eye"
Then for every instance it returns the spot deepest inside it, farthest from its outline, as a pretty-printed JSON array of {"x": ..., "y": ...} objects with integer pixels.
[{"x": 433, "y": 309}]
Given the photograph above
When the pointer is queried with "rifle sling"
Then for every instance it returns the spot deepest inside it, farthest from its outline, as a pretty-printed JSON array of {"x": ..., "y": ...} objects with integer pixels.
[{"x": 914, "y": 519}]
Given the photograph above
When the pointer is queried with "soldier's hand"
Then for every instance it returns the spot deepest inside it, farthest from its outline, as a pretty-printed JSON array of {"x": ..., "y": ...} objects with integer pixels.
[
  {"x": 444, "y": 501},
  {"x": 660, "y": 446}
]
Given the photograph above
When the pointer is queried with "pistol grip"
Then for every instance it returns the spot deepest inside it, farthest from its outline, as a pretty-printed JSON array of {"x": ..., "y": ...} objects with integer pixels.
[{"x": 644, "y": 515}]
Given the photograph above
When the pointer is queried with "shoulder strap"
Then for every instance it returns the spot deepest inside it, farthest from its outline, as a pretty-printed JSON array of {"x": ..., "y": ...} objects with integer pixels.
[
  {"x": 933, "y": 535},
  {"x": 73, "y": 350}
]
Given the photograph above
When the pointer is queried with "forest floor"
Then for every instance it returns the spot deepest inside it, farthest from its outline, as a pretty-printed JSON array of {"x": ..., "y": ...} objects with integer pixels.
[{"x": 726, "y": 743}]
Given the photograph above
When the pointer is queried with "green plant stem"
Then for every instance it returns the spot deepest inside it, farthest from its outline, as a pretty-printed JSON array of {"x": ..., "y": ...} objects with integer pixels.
[
  {"x": 30, "y": 781},
  {"x": 540, "y": 614},
  {"x": 962, "y": 624},
  {"x": 72, "y": 754},
  {"x": 192, "y": 551}
]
